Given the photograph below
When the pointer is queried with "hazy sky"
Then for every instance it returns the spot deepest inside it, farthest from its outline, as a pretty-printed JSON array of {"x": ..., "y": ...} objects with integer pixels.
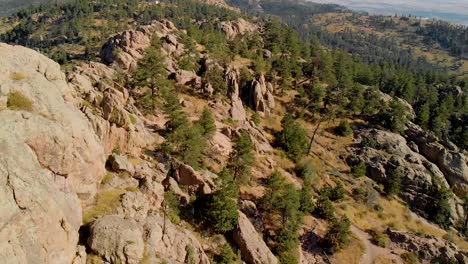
[{"x": 453, "y": 10}]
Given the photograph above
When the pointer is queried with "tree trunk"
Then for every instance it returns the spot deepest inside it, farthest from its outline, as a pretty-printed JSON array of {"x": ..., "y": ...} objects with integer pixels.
[{"x": 313, "y": 137}]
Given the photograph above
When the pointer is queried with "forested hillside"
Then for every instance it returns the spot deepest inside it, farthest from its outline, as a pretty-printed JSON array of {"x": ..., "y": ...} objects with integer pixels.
[{"x": 192, "y": 132}]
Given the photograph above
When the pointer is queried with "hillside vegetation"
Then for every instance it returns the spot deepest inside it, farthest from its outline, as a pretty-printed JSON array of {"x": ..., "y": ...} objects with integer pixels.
[{"x": 210, "y": 134}]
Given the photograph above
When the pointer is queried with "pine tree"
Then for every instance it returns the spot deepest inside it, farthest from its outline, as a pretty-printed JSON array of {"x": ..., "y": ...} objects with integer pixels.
[
  {"x": 207, "y": 123},
  {"x": 242, "y": 158},
  {"x": 221, "y": 210}
]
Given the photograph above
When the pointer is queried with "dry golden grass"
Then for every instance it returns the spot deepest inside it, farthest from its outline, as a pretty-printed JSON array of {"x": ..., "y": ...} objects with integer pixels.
[
  {"x": 351, "y": 254},
  {"x": 106, "y": 202},
  {"x": 394, "y": 215},
  {"x": 18, "y": 76},
  {"x": 19, "y": 102}
]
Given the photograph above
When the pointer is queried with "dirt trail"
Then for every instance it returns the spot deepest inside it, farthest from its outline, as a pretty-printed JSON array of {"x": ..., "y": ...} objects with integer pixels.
[{"x": 371, "y": 251}]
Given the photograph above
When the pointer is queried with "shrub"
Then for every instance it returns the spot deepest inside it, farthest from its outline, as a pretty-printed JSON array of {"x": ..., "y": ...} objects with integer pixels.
[
  {"x": 410, "y": 258},
  {"x": 359, "y": 170},
  {"x": 226, "y": 256},
  {"x": 324, "y": 208},
  {"x": 293, "y": 138},
  {"x": 333, "y": 194},
  {"x": 172, "y": 205},
  {"x": 337, "y": 236},
  {"x": 305, "y": 169},
  {"x": 344, "y": 129},
  {"x": 17, "y": 101},
  {"x": 393, "y": 184},
  {"x": 106, "y": 202},
  {"x": 378, "y": 238},
  {"x": 207, "y": 123}
]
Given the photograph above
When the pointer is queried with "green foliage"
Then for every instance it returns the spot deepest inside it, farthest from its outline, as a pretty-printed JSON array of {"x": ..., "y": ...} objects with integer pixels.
[
  {"x": 305, "y": 196},
  {"x": 305, "y": 170},
  {"x": 359, "y": 170},
  {"x": 293, "y": 138},
  {"x": 184, "y": 140},
  {"x": 283, "y": 199},
  {"x": 172, "y": 204},
  {"x": 344, "y": 129},
  {"x": 378, "y": 238},
  {"x": 150, "y": 68},
  {"x": 221, "y": 210},
  {"x": 395, "y": 117},
  {"x": 333, "y": 194},
  {"x": 242, "y": 158},
  {"x": 226, "y": 256},
  {"x": 439, "y": 209},
  {"x": 190, "y": 258},
  {"x": 410, "y": 258},
  {"x": 324, "y": 208},
  {"x": 18, "y": 101},
  {"x": 215, "y": 76},
  {"x": 207, "y": 123},
  {"x": 393, "y": 184},
  {"x": 338, "y": 235}
]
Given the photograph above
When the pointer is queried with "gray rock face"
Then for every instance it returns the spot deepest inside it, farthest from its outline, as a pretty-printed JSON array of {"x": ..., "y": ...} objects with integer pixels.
[
  {"x": 261, "y": 96},
  {"x": 237, "y": 108},
  {"x": 48, "y": 155},
  {"x": 391, "y": 151},
  {"x": 117, "y": 240},
  {"x": 252, "y": 247},
  {"x": 453, "y": 163},
  {"x": 429, "y": 249}
]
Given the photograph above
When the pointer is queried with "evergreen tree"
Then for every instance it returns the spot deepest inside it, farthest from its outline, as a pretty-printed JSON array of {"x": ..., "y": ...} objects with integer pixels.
[
  {"x": 242, "y": 158},
  {"x": 293, "y": 138},
  {"x": 338, "y": 235},
  {"x": 221, "y": 210},
  {"x": 207, "y": 123}
]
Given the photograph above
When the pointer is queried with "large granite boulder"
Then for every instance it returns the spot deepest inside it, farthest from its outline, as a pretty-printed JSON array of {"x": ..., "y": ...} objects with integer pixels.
[
  {"x": 116, "y": 239},
  {"x": 252, "y": 247},
  {"x": 49, "y": 158}
]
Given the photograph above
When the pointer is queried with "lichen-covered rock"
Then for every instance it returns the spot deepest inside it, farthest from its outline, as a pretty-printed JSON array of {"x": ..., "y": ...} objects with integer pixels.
[
  {"x": 253, "y": 249},
  {"x": 48, "y": 155},
  {"x": 117, "y": 240}
]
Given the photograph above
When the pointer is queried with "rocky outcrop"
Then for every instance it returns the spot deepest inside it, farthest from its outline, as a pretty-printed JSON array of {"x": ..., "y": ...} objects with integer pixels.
[
  {"x": 120, "y": 163},
  {"x": 239, "y": 27},
  {"x": 126, "y": 48},
  {"x": 168, "y": 242},
  {"x": 186, "y": 175},
  {"x": 117, "y": 240},
  {"x": 110, "y": 110},
  {"x": 384, "y": 152},
  {"x": 49, "y": 158},
  {"x": 260, "y": 97},
  {"x": 452, "y": 162},
  {"x": 428, "y": 248},
  {"x": 237, "y": 108},
  {"x": 252, "y": 247}
]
